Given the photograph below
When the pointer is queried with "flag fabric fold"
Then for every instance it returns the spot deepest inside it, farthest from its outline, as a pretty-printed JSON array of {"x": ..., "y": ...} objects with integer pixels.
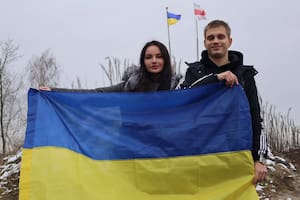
[
  {"x": 185, "y": 144},
  {"x": 173, "y": 18}
]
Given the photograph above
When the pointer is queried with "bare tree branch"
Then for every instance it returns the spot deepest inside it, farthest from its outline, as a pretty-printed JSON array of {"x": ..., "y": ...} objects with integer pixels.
[
  {"x": 10, "y": 86},
  {"x": 43, "y": 70}
]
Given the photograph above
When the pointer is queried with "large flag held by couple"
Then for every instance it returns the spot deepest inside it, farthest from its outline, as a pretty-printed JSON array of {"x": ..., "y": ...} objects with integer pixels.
[{"x": 173, "y": 145}]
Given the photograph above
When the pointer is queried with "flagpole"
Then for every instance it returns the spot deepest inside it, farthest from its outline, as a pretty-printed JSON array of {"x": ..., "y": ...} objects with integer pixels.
[
  {"x": 197, "y": 40},
  {"x": 168, "y": 34}
]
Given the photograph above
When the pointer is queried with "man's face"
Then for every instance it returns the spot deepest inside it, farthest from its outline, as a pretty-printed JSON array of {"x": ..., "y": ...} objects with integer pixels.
[{"x": 217, "y": 42}]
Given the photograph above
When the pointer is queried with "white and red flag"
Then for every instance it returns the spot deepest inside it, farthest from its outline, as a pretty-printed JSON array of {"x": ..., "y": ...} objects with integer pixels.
[{"x": 199, "y": 13}]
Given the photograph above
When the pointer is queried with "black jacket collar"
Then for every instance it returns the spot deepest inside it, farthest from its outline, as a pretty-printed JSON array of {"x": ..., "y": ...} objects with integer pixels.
[{"x": 235, "y": 58}]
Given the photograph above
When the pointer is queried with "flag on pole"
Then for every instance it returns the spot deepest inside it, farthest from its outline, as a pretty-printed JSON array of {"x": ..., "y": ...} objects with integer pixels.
[
  {"x": 199, "y": 13},
  {"x": 172, "y": 18},
  {"x": 184, "y": 144}
]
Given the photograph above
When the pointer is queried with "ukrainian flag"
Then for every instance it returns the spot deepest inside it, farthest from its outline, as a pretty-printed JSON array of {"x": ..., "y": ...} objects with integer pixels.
[
  {"x": 176, "y": 145},
  {"x": 172, "y": 18}
]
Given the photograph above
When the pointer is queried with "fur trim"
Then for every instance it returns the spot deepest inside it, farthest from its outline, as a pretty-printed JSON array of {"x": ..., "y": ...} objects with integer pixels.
[{"x": 131, "y": 78}]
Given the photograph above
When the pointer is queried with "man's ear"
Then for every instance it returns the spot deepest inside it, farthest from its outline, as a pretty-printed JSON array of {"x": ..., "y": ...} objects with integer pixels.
[{"x": 230, "y": 41}]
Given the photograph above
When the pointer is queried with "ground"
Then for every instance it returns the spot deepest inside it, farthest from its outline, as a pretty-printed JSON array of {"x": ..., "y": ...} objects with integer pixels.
[{"x": 283, "y": 180}]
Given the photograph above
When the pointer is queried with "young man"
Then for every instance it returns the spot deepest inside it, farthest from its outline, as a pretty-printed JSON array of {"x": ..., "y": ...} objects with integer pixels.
[{"x": 218, "y": 63}]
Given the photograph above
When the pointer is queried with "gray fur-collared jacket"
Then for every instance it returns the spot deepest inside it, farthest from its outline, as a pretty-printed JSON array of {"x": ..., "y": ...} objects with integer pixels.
[{"x": 129, "y": 83}]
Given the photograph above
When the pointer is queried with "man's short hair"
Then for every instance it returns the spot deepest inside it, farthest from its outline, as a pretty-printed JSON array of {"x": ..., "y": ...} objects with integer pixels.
[{"x": 217, "y": 23}]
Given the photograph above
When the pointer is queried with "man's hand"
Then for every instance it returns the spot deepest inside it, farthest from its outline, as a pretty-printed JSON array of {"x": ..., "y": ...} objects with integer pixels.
[
  {"x": 260, "y": 172},
  {"x": 229, "y": 77}
]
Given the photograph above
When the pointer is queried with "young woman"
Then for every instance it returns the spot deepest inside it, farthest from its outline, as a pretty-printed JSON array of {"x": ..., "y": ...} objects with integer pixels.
[{"x": 154, "y": 74}]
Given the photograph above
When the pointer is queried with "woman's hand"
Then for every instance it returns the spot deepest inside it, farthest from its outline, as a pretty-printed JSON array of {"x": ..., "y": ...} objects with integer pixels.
[{"x": 45, "y": 88}]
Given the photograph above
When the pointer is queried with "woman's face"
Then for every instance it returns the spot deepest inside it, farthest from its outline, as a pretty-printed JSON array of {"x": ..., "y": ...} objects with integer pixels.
[{"x": 154, "y": 60}]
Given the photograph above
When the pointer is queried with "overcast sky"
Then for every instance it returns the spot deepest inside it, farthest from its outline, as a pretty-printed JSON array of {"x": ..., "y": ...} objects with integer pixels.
[{"x": 81, "y": 33}]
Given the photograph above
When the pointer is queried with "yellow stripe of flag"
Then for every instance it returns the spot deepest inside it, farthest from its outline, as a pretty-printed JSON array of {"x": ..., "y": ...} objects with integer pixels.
[{"x": 189, "y": 177}]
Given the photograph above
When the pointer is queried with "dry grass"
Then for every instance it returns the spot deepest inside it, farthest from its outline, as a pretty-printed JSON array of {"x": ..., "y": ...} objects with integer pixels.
[{"x": 282, "y": 133}]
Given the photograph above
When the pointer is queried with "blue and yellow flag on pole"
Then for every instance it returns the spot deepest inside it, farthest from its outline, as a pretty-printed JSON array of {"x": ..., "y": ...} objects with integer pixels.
[
  {"x": 174, "y": 145},
  {"x": 172, "y": 18}
]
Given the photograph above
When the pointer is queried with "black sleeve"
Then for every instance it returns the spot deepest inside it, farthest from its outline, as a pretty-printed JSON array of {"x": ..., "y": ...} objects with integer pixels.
[
  {"x": 251, "y": 93},
  {"x": 114, "y": 88},
  {"x": 190, "y": 77},
  {"x": 196, "y": 77}
]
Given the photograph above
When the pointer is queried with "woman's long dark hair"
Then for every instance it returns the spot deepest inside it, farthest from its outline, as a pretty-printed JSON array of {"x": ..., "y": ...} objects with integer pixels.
[{"x": 146, "y": 79}]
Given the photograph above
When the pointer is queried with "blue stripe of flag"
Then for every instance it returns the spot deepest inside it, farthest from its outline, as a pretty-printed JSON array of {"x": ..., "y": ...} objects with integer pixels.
[
  {"x": 110, "y": 126},
  {"x": 173, "y": 16}
]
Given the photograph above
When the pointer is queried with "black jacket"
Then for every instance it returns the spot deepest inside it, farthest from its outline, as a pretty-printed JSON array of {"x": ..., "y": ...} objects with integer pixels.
[{"x": 205, "y": 71}]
